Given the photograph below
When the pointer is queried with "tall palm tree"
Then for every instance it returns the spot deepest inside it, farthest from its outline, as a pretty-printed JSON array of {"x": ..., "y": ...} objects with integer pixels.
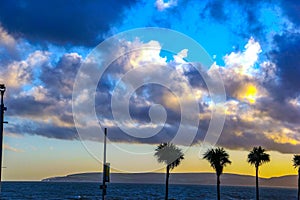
[
  {"x": 257, "y": 157},
  {"x": 296, "y": 163},
  {"x": 170, "y": 155},
  {"x": 218, "y": 159}
]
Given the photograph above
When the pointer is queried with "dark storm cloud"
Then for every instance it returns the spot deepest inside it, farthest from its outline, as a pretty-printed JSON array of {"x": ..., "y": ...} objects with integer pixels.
[
  {"x": 165, "y": 135},
  {"x": 47, "y": 130},
  {"x": 286, "y": 57},
  {"x": 63, "y": 22},
  {"x": 59, "y": 79},
  {"x": 279, "y": 110},
  {"x": 26, "y": 106},
  {"x": 44, "y": 129},
  {"x": 247, "y": 140},
  {"x": 292, "y": 9},
  {"x": 239, "y": 134}
]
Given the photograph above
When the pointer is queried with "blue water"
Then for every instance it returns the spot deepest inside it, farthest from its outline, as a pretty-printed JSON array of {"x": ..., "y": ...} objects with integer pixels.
[{"x": 56, "y": 191}]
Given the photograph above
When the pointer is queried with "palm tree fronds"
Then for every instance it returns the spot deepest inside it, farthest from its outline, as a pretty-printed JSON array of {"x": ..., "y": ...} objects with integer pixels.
[
  {"x": 169, "y": 154},
  {"x": 296, "y": 161},
  {"x": 218, "y": 159},
  {"x": 258, "y": 156}
]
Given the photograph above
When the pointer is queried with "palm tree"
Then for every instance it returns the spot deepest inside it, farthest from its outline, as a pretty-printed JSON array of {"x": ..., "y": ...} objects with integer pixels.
[
  {"x": 171, "y": 155},
  {"x": 296, "y": 163},
  {"x": 218, "y": 159},
  {"x": 257, "y": 157}
]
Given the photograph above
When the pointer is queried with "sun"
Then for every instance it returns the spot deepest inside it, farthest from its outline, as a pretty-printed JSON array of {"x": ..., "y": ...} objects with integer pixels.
[
  {"x": 251, "y": 93},
  {"x": 247, "y": 92}
]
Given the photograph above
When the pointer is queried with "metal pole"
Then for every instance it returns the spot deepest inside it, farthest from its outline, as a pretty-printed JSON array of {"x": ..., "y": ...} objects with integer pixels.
[
  {"x": 2, "y": 89},
  {"x": 1, "y": 138},
  {"x": 104, "y": 163}
]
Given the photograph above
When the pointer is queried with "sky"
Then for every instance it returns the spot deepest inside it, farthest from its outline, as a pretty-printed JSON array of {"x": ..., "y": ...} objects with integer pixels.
[{"x": 59, "y": 100}]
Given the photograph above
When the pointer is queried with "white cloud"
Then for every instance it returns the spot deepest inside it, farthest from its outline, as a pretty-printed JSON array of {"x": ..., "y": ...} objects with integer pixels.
[
  {"x": 6, "y": 39},
  {"x": 39, "y": 93},
  {"x": 179, "y": 58},
  {"x": 162, "y": 5},
  {"x": 143, "y": 54},
  {"x": 19, "y": 73},
  {"x": 243, "y": 62}
]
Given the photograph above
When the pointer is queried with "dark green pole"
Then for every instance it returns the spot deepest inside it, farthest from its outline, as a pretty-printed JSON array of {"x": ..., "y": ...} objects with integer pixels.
[
  {"x": 3, "y": 108},
  {"x": 104, "y": 163},
  {"x": 257, "y": 189}
]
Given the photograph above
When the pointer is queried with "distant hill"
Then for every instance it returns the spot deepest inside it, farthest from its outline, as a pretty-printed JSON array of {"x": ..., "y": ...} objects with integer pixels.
[{"x": 181, "y": 178}]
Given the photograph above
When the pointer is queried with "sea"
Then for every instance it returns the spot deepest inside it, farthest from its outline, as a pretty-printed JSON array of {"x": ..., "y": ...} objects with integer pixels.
[{"x": 115, "y": 191}]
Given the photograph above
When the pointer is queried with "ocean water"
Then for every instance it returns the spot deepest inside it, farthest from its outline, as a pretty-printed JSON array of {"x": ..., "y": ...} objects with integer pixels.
[{"x": 91, "y": 191}]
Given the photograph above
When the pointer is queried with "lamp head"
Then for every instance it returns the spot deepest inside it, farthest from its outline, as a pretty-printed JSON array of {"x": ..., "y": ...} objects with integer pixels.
[{"x": 2, "y": 88}]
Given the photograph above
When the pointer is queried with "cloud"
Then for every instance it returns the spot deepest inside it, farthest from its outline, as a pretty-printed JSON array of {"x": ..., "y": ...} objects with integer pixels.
[
  {"x": 13, "y": 149},
  {"x": 46, "y": 129},
  {"x": 251, "y": 125},
  {"x": 292, "y": 10},
  {"x": 287, "y": 111},
  {"x": 162, "y": 5},
  {"x": 45, "y": 108},
  {"x": 20, "y": 73},
  {"x": 254, "y": 114},
  {"x": 59, "y": 79},
  {"x": 6, "y": 40},
  {"x": 288, "y": 71},
  {"x": 78, "y": 22},
  {"x": 243, "y": 62},
  {"x": 261, "y": 82},
  {"x": 253, "y": 117},
  {"x": 242, "y": 77}
]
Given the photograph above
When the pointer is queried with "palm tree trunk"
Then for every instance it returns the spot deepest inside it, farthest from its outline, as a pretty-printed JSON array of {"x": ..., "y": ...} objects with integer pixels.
[
  {"x": 299, "y": 183},
  {"x": 218, "y": 187},
  {"x": 257, "y": 191},
  {"x": 167, "y": 182}
]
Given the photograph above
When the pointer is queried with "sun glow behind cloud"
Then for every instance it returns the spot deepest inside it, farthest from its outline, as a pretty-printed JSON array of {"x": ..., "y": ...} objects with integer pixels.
[{"x": 247, "y": 92}]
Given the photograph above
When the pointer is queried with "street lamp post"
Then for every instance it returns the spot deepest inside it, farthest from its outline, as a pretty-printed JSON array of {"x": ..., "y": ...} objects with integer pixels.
[
  {"x": 104, "y": 166},
  {"x": 106, "y": 169},
  {"x": 3, "y": 108}
]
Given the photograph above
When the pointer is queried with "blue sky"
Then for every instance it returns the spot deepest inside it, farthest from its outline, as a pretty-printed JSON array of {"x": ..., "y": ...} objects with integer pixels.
[{"x": 254, "y": 46}]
